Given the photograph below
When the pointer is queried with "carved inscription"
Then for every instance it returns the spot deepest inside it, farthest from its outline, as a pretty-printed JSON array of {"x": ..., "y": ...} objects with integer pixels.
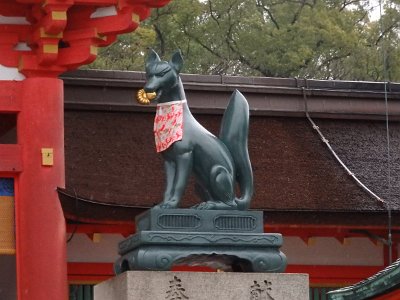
[
  {"x": 176, "y": 291},
  {"x": 261, "y": 291}
]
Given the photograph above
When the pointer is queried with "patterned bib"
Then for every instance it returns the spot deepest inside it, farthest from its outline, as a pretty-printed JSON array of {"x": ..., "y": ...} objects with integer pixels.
[{"x": 168, "y": 124}]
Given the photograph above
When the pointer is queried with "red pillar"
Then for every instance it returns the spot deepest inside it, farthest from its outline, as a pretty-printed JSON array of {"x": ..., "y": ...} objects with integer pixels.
[
  {"x": 40, "y": 224},
  {"x": 61, "y": 36}
]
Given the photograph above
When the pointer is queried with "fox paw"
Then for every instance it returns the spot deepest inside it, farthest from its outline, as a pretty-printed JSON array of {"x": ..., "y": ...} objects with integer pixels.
[
  {"x": 167, "y": 205},
  {"x": 210, "y": 205}
]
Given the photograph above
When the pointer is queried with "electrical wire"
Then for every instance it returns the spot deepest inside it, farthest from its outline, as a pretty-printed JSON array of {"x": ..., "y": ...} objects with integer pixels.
[
  {"x": 324, "y": 140},
  {"x": 388, "y": 154}
]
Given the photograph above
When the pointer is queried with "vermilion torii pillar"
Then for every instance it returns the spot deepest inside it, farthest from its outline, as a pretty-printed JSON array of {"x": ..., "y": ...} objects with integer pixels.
[{"x": 40, "y": 39}]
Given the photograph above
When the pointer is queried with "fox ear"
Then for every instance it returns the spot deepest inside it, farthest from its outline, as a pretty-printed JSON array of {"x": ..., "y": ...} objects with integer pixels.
[
  {"x": 152, "y": 58},
  {"x": 177, "y": 61}
]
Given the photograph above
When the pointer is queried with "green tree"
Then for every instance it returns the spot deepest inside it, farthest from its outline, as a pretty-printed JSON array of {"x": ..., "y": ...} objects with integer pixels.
[
  {"x": 127, "y": 53},
  {"x": 325, "y": 39}
]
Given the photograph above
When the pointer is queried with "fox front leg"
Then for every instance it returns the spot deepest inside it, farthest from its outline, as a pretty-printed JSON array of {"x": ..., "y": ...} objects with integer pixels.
[
  {"x": 170, "y": 170},
  {"x": 176, "y": 182}
]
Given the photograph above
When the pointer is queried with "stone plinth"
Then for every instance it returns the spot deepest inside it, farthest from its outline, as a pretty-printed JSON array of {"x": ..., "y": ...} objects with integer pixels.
[{"x": 145, "y": 285}]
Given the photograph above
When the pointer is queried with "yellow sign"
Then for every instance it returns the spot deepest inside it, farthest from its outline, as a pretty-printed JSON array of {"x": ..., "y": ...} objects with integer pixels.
[{"x": 47, "y": 157}]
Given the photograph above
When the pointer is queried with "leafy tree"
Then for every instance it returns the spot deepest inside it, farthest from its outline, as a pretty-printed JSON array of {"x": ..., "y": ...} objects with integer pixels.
[
  {"x": 325, "y": 39},
  {"x": 127, "y": 53}
]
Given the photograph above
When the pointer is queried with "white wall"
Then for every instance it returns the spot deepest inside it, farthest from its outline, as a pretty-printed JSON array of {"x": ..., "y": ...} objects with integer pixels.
[
  {"x": 82, "y": 249},
  {"x": 7, "y": 73},
  {"x": 329, "y": 251}
]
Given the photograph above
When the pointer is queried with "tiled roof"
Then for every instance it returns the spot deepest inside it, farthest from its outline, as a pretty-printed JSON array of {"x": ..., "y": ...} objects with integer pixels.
[
  {"x": 110, "y": 154},
  {"x": 381, "y": 283}
]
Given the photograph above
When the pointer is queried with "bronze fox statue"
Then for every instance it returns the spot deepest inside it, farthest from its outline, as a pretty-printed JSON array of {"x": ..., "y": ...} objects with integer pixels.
[{"x": 186, "y": 146}]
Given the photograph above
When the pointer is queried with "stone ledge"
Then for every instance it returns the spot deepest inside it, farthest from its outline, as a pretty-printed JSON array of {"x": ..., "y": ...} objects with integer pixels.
[{"x": 171, "y": 238}]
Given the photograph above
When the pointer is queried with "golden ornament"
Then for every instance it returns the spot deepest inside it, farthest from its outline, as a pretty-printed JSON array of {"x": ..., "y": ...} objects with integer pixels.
[{"x": 145, "y": 98}]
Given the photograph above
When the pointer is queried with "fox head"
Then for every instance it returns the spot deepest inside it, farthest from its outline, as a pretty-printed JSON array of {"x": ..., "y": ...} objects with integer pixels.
[{"x": 163, "y": 77}]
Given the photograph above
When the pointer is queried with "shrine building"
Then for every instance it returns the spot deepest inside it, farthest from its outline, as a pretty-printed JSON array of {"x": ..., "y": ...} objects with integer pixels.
[{"x": 318, "y": 152}]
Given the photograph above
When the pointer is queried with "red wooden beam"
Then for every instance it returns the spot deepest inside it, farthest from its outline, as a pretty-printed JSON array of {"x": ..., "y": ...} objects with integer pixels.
[
  {"x": 335, "y": 276},
  {"x": 10, "y": 159},
  {"x": 304, "y": 232},
  {"x": 125, "y": 230},
  {"x": 393, "y": 251},
  {"x": 193, "y": 269},
  {"x": 10, "y": 101},
  {"x": 394, "y": 295},
  {"x": 339, "y": 232},
  {"x": 89, "y": 273},
  {"x": 12, "y": 9}
]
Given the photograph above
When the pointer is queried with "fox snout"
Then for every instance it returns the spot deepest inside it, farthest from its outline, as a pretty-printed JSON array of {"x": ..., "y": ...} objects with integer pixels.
[
  {"x": 148, "y": 93},
  {"x": 151, "y": 86}
]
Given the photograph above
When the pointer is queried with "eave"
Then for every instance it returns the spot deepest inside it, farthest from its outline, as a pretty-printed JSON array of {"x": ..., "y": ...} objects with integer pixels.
[
  {"x": 91, "y": 216},
  {"x": 384, "y": 282},
  {"x": 115, "y": 90}
]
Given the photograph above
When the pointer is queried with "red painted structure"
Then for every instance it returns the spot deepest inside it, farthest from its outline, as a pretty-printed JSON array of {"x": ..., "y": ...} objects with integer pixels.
[
  {"x": 43, "y": 39},
  {"x": 39, "y": 219}
]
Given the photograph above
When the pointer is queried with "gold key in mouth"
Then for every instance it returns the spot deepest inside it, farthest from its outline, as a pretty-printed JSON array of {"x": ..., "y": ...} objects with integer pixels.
[{"x": 145, "y": 98}]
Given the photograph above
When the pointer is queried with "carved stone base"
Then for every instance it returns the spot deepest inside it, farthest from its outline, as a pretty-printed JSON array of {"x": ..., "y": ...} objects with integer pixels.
[
  {"x": 225, "y": 240},
  {"x": 140, "y": 285}
]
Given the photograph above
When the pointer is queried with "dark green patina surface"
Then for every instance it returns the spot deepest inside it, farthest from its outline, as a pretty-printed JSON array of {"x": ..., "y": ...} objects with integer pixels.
[
  {"x": 222, "y": 239},
  {"x": 219, "y": 232},
  {"x": 218, "y": 163},
  {"x": 201, "y": 220},
  {"x": 382, "y": 282}
]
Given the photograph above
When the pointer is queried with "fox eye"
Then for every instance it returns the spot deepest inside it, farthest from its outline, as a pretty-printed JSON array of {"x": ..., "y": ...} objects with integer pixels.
[{"x": 161, "y": 74}]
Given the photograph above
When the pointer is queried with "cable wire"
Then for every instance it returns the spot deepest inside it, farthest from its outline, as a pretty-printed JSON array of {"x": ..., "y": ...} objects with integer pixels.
[
  {"x": 324, "y": 140},
  {"x": 388, "y": 154}
]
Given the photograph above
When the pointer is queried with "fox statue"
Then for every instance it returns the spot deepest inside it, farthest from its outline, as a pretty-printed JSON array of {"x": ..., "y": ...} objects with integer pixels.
[{"x": 219, "y": 164}]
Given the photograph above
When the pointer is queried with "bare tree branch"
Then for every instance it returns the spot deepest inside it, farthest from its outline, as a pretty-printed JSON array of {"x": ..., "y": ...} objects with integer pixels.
[
  {"x": 213, "y": 14},
  {"x": 298, "y": 12},
  {"x": 347, "y": 3},
  {"x": 261, "y": 5},
  {"x": 384, "y": 32},
  {"x": 161, "y": 39}
]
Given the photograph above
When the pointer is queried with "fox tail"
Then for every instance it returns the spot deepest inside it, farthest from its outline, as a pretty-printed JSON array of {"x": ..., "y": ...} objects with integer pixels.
[{"x": 234, "y": 134}]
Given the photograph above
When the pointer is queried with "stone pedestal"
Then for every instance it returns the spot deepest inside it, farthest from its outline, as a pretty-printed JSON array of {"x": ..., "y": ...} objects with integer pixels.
[
  {"x": 225, "y": 240},
  {"x": 143, "y": 285}
]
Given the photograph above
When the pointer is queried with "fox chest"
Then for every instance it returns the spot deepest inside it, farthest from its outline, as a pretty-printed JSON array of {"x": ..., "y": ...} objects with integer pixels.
[{"x": 168, "y": 124}]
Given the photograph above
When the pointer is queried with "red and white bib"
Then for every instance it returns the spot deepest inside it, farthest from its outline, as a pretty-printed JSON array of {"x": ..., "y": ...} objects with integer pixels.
[{"x": 168, "y": 124}]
